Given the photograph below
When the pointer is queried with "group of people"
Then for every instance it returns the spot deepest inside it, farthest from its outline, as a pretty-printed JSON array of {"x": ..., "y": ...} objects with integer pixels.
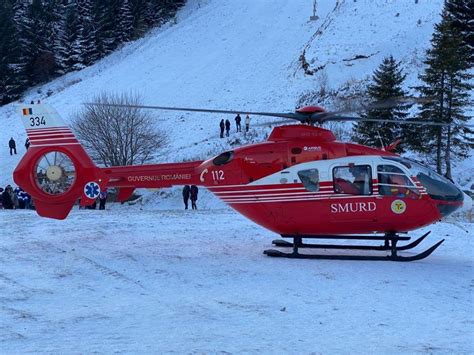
[
  {"x": 15, "y": 199},
  {"x": 225, "y": 125},
  {"x": 102, "y": 201},
  {"x": 12, "y": 145},
  {"x": 190, "y": 192}
]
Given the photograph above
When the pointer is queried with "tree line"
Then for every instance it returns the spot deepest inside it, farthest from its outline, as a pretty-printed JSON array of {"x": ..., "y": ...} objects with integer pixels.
[
  {"x": 43, "y": 39},
  {"x": 446, "y": 84}
]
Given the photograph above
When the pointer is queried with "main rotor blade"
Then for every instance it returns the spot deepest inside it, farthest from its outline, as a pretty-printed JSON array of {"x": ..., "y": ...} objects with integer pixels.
[
  {"x": 377, "y": 105},
  {"x": 290, "y": 115},
  {"x": 274, "y": 123},
  {"x": 358, "y": 119}
]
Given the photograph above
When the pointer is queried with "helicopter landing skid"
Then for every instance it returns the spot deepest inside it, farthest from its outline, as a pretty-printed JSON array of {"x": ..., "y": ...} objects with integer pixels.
[{"x": 390, "y": 244}]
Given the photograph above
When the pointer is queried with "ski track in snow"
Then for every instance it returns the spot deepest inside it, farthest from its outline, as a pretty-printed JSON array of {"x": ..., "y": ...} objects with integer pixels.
[{"x": 197, "y": 282}]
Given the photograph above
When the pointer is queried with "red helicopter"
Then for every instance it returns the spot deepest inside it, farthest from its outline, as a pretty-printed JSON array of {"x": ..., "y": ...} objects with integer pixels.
[{"x": 300, "y": 183}]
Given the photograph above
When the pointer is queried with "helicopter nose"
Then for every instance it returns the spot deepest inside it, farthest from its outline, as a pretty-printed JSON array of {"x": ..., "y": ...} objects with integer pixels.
[{"x": 448, "y": 196}]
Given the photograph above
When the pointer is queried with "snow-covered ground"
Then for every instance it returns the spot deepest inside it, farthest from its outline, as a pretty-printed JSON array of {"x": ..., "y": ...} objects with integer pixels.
[
  {"x": 197, "y": 282},
  {"x": 152, "y": 278}
]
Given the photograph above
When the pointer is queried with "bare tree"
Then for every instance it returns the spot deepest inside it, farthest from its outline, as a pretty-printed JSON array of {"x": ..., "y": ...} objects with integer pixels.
[{"x": 117, "y": 136}]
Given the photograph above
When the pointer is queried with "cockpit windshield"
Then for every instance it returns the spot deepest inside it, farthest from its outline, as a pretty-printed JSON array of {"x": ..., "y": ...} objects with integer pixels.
[{"x": 437, "y": 186}]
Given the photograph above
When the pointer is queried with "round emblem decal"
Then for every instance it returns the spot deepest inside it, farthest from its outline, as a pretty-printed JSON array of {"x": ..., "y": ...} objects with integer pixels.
[
  {"x": 398, "y": 206},
  {"x": 92, "y": 190}
]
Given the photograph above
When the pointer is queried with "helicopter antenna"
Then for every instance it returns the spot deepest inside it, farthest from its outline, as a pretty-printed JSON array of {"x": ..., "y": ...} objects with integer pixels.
[{"x": 381, "y": 140}]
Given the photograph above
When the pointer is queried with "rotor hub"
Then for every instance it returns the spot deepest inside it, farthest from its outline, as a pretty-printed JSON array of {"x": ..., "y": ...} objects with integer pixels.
[{"x": 54, "y": 173}]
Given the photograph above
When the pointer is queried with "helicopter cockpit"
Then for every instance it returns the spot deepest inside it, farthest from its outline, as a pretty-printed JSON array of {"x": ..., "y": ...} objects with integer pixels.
[{"x": 438, "y": 187}]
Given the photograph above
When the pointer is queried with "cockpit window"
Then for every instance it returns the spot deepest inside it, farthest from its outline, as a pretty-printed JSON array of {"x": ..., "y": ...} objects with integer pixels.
[
  {"x": 394, "y": 182},
  {"x": 223, "y": 158},
  {"x": 310, "y": 179},
  {"x": 389, "y": 169},
  {"x": 353, "y": 180},
  {"x": 437, "y": 186}
]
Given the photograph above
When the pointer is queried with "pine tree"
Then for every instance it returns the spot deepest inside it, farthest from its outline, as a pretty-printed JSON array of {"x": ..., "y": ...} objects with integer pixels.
[
  {"x": 125, "y": 22},
  {"x": 461, "y": 14},
  {"x": 106, "y": 14},
  {"x": 386, "y": 84},
  {"x": 72, "y": 41},
  {"x": 12, "y": 64},
  {"x": 446, "y": 82},
  {"x": 86, "y": 33},
  {"x": 140, "y": 26},
  {"x": 56, "y": 34},
  {"x": 40, "y": 63}
]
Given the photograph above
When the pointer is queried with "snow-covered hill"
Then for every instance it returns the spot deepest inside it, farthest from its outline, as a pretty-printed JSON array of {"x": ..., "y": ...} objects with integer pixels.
[{"x": 240, "y": 54}]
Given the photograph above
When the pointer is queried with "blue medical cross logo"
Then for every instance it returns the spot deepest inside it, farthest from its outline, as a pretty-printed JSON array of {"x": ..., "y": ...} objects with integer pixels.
[{"x": 92, "y": 190}]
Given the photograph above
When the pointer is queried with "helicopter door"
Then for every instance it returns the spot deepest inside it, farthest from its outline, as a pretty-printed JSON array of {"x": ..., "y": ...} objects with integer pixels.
[{"x": 353, "y": 198}]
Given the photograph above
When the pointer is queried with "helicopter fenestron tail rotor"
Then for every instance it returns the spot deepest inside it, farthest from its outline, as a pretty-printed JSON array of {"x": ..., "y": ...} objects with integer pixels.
[
  {"x": 55, "y": 173},
  {"x": 308, "y": 114}
]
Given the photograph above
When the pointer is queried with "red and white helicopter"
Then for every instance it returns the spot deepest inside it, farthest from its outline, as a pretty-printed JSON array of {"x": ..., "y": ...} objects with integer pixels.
[{"x": 300, "y": 183}]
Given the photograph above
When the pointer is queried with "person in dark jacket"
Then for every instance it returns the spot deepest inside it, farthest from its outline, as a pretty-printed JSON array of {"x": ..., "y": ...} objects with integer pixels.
[
  {"x": 102, "y": 199},
  {"x": 21, "y": 197},
  {"x": 12, "y": 145},
  {"x": 227, "y": 127},
  {"x": 27, "y": 143},
  {"x": 238, "y": 119},
  {"x": 222, "y": 126},
  {"x": 7, "y": 201},
  {"x": 194, "y": 196},
  {"x": 186, "y": 192}
]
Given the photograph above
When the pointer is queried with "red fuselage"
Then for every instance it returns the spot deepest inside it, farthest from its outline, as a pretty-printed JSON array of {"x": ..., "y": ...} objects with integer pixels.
[{"x": 301, "y": 181}]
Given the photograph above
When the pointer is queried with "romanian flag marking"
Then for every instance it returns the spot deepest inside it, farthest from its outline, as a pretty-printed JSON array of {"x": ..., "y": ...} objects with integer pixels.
[{"x": 27, "y": 111}]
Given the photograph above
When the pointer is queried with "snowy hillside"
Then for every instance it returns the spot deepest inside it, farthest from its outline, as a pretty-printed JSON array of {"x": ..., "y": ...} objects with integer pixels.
[{"x": 240, "y": 54}]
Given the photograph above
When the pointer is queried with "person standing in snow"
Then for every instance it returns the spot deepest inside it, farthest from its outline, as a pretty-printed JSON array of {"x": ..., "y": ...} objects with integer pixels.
[
  {"x": 27, "y": 143},
  {"x": 227, "y": 127},
  {"x": 21, "y": 197},
  {"x": 237, "y": 123},
  {"x": 7, "y": 201},
  {"x": 222, "y": 126},
  {"x": 102, "y": 199},
  {"x": 27, "y": 200},
  {"x": 186, "y": 192},
  {"x": 194, "y": 196},
  {"x": 247, "y": 123},
  {"x": 14, "y": 196},
  {"x": 12, "y": 145}
]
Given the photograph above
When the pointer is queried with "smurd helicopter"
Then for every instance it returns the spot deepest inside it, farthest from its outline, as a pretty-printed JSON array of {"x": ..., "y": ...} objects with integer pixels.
[{"x": 300, "y": 183}]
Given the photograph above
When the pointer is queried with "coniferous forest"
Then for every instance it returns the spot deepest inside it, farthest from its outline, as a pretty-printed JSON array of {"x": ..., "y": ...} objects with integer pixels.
[{"x": 43, "y": 39}]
